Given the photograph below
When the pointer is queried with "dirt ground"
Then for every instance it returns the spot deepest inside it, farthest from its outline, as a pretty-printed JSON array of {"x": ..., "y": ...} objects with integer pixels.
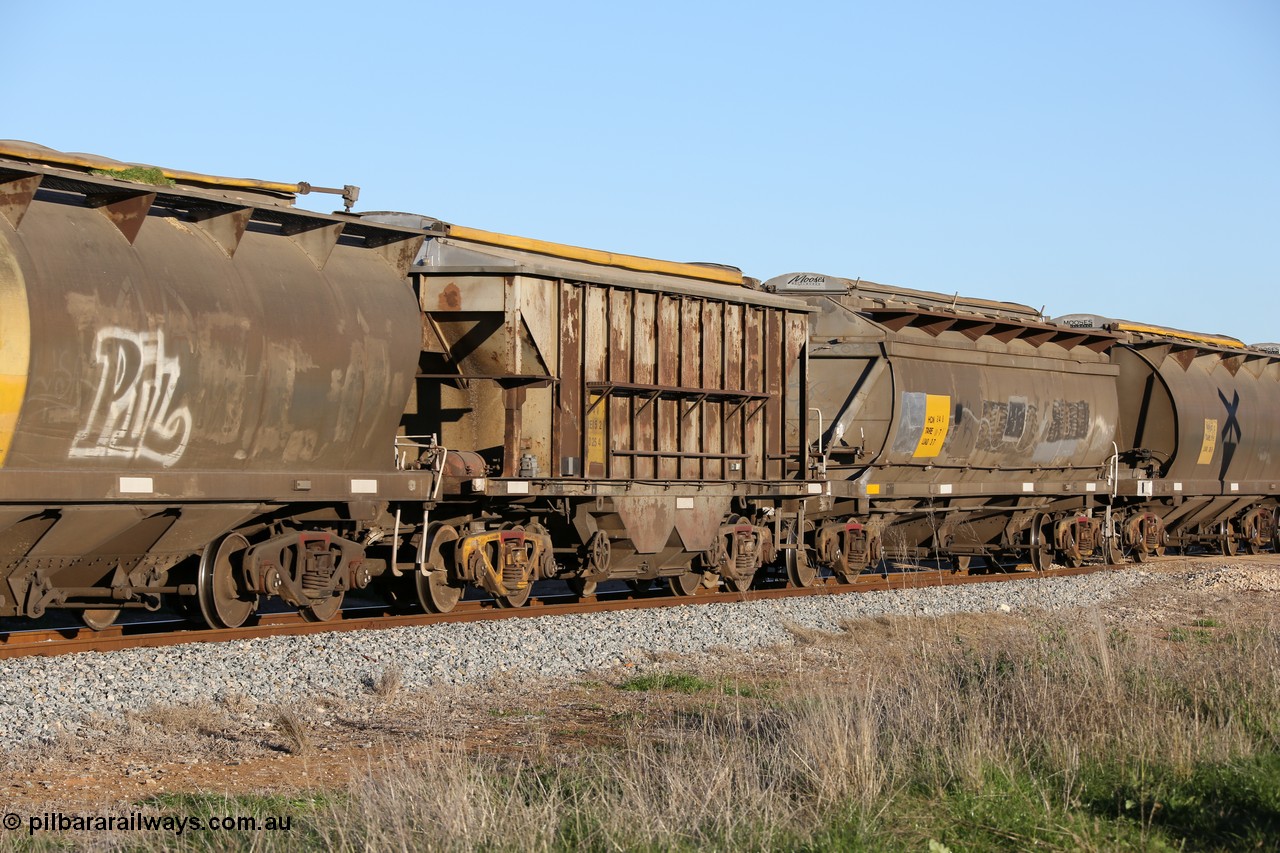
[{"x": 237, "y": 747}]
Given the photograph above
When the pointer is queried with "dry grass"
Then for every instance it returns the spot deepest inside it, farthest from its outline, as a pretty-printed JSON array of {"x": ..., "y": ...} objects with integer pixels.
[
  {"x": 387, "y": 685},
  {"x": 291, "y": 724},
  {"x": 450, "y": 800},
  {"x": 804, "y": 635},
  {"x": 1025, "y": 721}
]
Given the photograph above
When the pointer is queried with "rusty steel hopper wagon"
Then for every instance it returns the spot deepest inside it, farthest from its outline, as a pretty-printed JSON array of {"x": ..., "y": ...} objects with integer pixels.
[
  {"x": 606, "y": 416},
  {"x": 953, "y": 428},
  {"x": 200, "y": 390}
]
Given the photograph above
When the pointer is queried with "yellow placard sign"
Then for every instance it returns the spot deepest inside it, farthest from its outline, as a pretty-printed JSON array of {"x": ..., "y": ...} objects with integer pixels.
[
  {"x": 937, "y": 419},
  {"x": 596, "y": 419},
  {"x": 1210, "y": 441}
]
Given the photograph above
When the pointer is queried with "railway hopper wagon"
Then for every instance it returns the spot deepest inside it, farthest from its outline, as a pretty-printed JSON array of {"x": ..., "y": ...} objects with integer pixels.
[
  {"x": 605, "y": 417},
  {"x": 953, "y": 428},
  {"x": 200, "y": 391},
  {"x": 1198, "y": 437}
]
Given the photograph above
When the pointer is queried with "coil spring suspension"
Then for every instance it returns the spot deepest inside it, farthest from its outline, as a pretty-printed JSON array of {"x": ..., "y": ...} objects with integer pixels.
[
  {"x": 513, "y": 567},
  {"x": 317, "y": 573},
  {"x": 1151, "y": 536}
]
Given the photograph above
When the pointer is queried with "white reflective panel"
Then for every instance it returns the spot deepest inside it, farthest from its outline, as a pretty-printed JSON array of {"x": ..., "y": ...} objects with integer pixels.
[{"x": 136, "y": 486}]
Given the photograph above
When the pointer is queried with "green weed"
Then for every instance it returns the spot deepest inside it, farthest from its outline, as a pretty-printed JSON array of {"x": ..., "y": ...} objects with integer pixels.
[
  {"x": 676, "y": 682},
  {"x": 136, "y": 174}
]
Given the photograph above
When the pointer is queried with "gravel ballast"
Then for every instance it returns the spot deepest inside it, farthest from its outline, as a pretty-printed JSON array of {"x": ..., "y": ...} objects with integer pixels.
[{"x": 45, "y": 696}]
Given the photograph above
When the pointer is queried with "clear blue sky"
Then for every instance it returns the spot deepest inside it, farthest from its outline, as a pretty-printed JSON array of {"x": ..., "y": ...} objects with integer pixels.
[{"x": 1121, "y": 158}]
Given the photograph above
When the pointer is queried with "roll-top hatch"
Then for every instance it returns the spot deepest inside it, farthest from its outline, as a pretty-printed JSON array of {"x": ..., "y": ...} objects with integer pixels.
[
  {"x": 934, "y": 314},
  {"x": 162, "y": 176},
  {"x": 870, "y": 292},
  {"x": 132, "y": 196},
  {"x": 452, "y": 245},
  {"x": 1147, "y": 333}
]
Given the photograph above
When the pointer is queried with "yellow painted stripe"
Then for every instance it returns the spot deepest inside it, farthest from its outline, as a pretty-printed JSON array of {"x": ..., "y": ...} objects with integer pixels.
[
  {"x": 12, "y": 390},
  {"x": 1211, "y": 340},
  {"x": 594, "y": 256},
  {"x": 40, "y": 154},
  {"x": 15, "y": 346}
]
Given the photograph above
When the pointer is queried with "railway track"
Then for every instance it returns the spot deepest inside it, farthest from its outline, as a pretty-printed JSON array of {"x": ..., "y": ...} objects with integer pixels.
[{"x": 62, "y": 641}]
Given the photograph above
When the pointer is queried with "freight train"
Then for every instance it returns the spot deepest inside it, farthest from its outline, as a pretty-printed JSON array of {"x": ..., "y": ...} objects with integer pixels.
[{"x": 211, "y": 396}]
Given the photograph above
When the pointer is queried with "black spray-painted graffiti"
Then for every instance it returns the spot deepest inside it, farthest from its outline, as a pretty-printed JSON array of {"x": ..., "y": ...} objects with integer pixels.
[
  {"x": 133, "y": 414},
  {"x": 1231, "y": 433}
]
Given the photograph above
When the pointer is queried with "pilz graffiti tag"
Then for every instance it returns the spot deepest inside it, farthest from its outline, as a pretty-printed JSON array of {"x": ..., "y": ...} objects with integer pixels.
[{"x": 133, "y": 414}]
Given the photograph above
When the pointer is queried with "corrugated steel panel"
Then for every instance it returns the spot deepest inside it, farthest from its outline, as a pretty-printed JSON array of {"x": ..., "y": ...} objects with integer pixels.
[{"x": 647, "y": 384}]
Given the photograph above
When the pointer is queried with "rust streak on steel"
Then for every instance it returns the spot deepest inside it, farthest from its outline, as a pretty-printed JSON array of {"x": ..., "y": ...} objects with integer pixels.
[{"x": 70, "y": 641}]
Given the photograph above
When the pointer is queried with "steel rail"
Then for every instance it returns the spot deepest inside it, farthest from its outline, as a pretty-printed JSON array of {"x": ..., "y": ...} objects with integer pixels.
[{"x": 49, "y": 643}]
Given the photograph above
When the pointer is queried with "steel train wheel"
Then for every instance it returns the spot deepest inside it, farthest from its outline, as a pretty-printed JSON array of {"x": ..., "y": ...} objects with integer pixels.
[
  {"x": 435, "y": 593},
  {"x": 323, "y": 610},
  {"x": 516, "y": 599},
  {"x": 1227, "y": 543},
  {"x": 1040, "y": 540},
  {"x": 1071, "y": 555},
  {"x": 850, "y": 576},
  {"x": 100, "y": 618},
  {"x": 1251, "y": 535},
  {"x": 222, "y": 603},
  {"x": 800, "y": 572},
  {"x": 960, "y": 564},
  {"x": 685, "y": 584}
]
